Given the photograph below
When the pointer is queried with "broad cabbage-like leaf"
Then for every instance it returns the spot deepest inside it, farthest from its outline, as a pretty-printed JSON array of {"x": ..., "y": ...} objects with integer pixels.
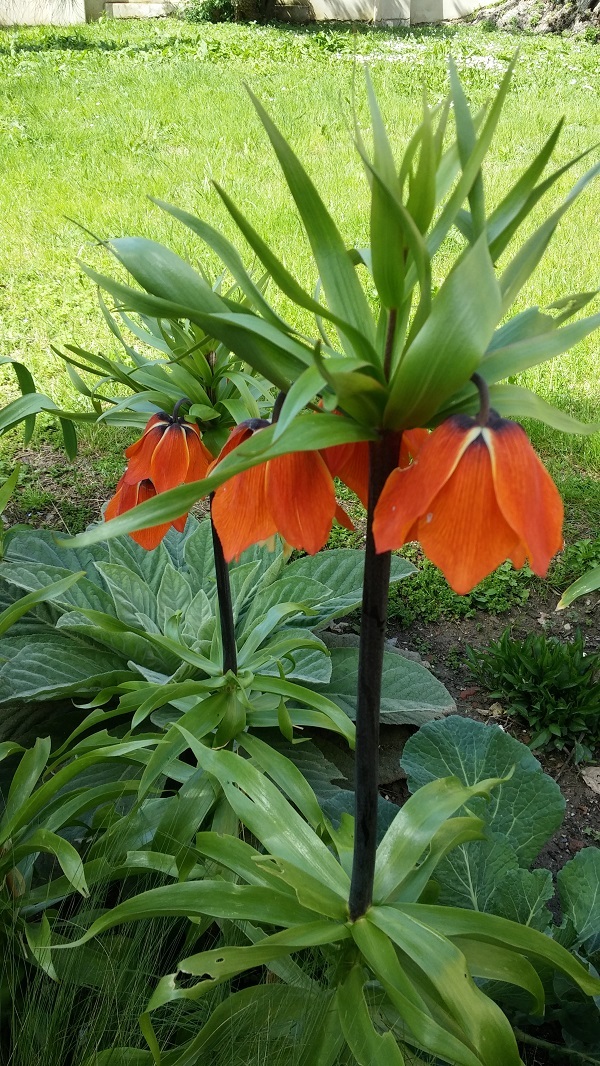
[
  {"x": 526, "y": 809},
  {"x": 410, "y": 694}
]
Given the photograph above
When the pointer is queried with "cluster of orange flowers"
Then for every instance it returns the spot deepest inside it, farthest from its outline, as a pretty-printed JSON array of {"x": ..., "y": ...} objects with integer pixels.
[{"x": 472, "y": 495}]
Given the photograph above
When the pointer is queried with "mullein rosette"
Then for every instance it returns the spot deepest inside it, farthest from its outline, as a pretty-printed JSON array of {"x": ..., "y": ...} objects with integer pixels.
[{"x": 168, "y": 454}]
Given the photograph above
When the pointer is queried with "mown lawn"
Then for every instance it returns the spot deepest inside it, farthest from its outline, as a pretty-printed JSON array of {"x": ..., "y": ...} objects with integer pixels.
[{"x": 94, "y": 119}]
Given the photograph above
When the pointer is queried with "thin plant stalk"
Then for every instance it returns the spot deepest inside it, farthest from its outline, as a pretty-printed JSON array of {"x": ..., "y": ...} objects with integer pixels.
[
  {"x": 225, "y": 603},
  {"x": 383, "y": 458}
]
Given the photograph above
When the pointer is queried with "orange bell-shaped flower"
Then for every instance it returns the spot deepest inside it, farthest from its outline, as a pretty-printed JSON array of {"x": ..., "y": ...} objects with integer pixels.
[
  {"x": 168, "y": 454},
  {"x": 475, "y": 496},
  {"x": 292, "y": 495},
  {"x": 128, "y": 496}
]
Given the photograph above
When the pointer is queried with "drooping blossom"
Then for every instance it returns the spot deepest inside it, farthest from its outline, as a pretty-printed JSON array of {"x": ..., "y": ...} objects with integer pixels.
[
  {"x": 168, "y": 454},
  {"x": 128, "y": 496},
  {"x": 292, "y": 495},
  {"x": 475, "y": 496}
]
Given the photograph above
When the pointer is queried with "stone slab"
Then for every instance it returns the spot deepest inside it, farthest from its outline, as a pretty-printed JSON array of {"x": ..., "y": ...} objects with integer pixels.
[
  {"x": 42, "y": 12},
  {"x": 393, "y": 12},
  {"x": 441, "y": 10},
  {"x": 138, "y": 10}
]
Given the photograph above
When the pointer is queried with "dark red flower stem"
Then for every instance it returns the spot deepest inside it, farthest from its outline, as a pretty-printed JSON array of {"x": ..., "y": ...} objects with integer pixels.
[
  {"x": 175, "y": 416},
  {"x": 279, "y": 402},
  {"x": 383, "y": 459},
  {"x": 483, "y": 415},
  {"x": 225, "y": 604}
]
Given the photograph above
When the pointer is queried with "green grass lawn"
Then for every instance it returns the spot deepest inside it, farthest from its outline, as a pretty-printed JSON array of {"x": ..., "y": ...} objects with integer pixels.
[{"x": 93, "y": 119}]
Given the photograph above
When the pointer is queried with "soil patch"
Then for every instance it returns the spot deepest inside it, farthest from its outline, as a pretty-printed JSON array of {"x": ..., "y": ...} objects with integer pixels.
[{"x": 441, "y": 646}]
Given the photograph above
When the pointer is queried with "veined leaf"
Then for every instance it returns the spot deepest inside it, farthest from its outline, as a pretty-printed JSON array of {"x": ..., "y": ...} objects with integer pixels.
[
  {"x": 415, "y": 826},
  {"x": 525, "y": 809},
  {"x": 409, "y": 692}
]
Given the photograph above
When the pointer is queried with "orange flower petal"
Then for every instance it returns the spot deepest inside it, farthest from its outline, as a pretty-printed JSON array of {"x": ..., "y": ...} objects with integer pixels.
[
  {"x": 301, "y": 499},
  {"x": 411, "y": 444},
  {"x": 407, "y": 494},
  {"x": 526, "y": 494},
  {"x": 140, "y": 454},
  {"x": 241, "y": 513},
  {"x": 199, "y": 456},
  {"x": 464, "y": 531},
  {"x": 162, "y": 420},
  {"x": 237, "y": 436},
  {"x": 170, "y": 459},
  {"x": 341, "y": 517},
  {"x": 350, "y": 462},
  {"x": 148, "y": 538}
]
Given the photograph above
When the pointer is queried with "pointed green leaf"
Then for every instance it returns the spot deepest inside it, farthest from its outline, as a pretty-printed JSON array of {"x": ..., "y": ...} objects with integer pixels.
[
  {"x": 527, "y": 258},
  {"x": 466, "y": 140},
  {"x": 590, "y": 582},
  {"x": 341, "y": 285},
  {"x": 414, "y": 827},
  {"x": 481, "y": 1021},
  {"x": 450, "y": 345},
  {"x": 429, "y": 1032},
  {"x": 521, "y": 403},
  {"x": 453, "y": 921},
  {"x": 9, "y": 616},
  {"x": 368, "y": 1047},
  {"x": 290, "y": 287},
  {"x": 265, "y": 812}
]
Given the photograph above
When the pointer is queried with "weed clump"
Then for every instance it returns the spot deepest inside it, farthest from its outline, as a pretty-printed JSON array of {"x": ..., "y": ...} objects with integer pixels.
[{"x": 554, "y": 687}]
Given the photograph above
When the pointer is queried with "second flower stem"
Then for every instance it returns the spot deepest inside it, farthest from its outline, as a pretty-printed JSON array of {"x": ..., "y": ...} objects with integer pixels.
[
  {"x": 383, "y": 458},
  {"x": 225, "y": 604}
]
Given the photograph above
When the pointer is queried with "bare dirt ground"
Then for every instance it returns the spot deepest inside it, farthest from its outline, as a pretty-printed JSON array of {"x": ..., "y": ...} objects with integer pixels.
[{"x": 437, "y": 644}]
